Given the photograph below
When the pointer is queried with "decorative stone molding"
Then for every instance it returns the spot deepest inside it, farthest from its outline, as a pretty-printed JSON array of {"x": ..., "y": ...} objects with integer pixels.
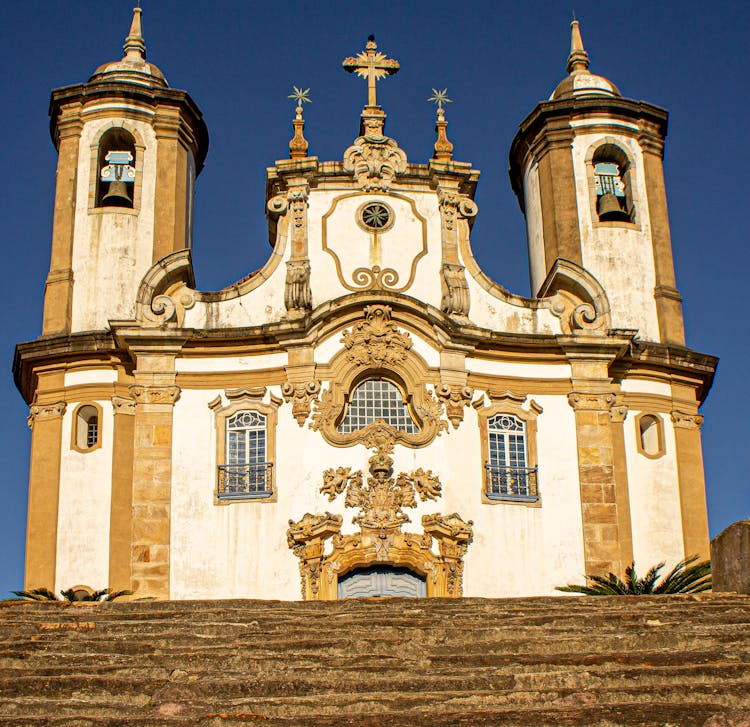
[
  {"x": 497, "y": 396},
  {"x": 165, "y": 292},
  {"x": 581, "y": 401},
  {"x": 278, "y": 204},
  {"x": 298, "y": 206},
  {"x": 155, "y": 394},
  {"x": 455, "y": 398},
  {"x": 376, "y": 341},
  {"x": 619, "y": 412},
  {"x": 685, "y": 420},
  {"x": 381, "y": 515},
  {"x": 374, "y": 159},
  {"x": 301, "y": 396},
  {"x": 455, "y": 298},
  {"x": 251, "y": 392},
  {"x": 45, "y": 411},
  {"x": 297, "y": 294},
  {"x": 123, "y": 405}
]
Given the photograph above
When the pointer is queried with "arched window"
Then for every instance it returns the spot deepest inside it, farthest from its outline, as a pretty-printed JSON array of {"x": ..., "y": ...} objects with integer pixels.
[
  {"x": 247, "y": 471},
  {"x": 86, "y": 428},
  {"x": 115, "y": 183},
  {"x": 377, "y": 399},
  {"x": 614, "y": 198},
  {"x": 650, "y": 434},
  {"x": 507, "y": 473}
]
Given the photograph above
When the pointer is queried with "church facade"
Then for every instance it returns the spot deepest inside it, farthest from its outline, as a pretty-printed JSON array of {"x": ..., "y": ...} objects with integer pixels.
[{"x": 368, "y": 413}]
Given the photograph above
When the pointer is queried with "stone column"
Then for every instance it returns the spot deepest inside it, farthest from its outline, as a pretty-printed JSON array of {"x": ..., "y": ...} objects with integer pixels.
[
  {"x": 121, "y": 507},
  {"x": 596, "y": 471},
  {"x": 687, "y": 436},
  {"x": 45, "y": 420},
  {"x": 617, "y": 415}
]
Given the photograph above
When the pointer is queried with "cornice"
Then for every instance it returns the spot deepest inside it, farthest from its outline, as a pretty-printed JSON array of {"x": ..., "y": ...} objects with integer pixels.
[
  {"x": 150, "y": 96},
  {"x": 552, "y": 118}
]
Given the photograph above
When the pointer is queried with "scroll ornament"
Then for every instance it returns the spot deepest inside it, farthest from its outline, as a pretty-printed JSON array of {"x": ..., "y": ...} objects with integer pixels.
[{"x": 455, "y": 398}]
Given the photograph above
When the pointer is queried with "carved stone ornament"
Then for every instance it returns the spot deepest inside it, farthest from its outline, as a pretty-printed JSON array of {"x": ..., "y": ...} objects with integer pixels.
[
  {"x": 155, "y": 394},
  {"x": 455, "y": 299},
  {"x": 585, "y": 401},
  {"x": 301, "y": 396},
  {"x": 577, "y": 318},
  {"x": 455, "y": 398},
  {"x": 685, "y": 420},
  {"x": 45, "y": 411},
  {"x": 381, "y": 515},
  {"x": 376, "y": 341},
  {"x": 123, "y": 405},
  {"x": 374, "y": 159},
  {"x": 297, "y": 295},
  {"x": 278, "y": 204},
  {"x": 619, "y": 411}
]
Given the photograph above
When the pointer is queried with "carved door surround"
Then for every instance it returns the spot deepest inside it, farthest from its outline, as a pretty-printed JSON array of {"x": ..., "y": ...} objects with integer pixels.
[
  {"x": 375, "y": 347},
  {"x": 380, "y": 540}
]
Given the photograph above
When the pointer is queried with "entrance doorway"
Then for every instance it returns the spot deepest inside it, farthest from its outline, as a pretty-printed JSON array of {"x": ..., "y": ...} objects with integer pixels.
[{"x": 382, "y": 580}]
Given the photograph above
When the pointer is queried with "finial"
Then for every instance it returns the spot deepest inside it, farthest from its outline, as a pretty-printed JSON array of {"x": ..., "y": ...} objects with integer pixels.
[
  {"x": 578, "y": 60},
  {"x": 443, "y": 147},
  {"x": 135, "y": 47},
  {"x": 372, "y": 65},
  {"x": 298, "y": 145}
]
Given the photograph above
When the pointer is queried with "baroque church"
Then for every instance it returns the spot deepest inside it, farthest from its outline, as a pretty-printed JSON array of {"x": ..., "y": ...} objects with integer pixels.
[{"x": 368, "y": 413}]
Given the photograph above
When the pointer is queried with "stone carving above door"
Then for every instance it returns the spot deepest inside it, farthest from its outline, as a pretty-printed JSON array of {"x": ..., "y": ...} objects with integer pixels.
[{"x": 380, "y": 517}]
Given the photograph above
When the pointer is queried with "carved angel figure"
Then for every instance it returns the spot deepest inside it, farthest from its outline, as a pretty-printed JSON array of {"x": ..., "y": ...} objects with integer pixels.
[{"x": 335, "y": 481}]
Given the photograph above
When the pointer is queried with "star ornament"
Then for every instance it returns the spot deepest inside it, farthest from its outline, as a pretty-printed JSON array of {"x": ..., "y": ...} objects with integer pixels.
[
  {"x": 440, "y": 97},
  {"x": 300, "y": 96}
]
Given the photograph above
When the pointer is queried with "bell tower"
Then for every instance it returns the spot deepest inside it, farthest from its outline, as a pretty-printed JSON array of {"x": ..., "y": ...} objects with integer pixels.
[
  {"x": 586, "y": 166},
  {"x": 129, "y": 151}
]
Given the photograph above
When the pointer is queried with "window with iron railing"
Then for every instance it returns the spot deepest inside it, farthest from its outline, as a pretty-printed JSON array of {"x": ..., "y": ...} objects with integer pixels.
[
  {"x": 247, "y": 473},
  {"x": 507, "y": 476}
]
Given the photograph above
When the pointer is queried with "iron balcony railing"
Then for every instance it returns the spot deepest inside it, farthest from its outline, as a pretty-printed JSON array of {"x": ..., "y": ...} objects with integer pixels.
[
  {"x": 511, "y": 483},
  {"x": 239, "y": 481}
]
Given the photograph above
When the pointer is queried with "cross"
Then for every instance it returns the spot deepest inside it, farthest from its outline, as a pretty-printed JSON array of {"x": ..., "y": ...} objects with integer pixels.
[{"x": 371, "y": 65}]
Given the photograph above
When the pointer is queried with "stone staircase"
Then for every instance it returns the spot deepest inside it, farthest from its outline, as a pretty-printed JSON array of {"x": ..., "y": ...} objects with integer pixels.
[{"x": 677, "y": 660}]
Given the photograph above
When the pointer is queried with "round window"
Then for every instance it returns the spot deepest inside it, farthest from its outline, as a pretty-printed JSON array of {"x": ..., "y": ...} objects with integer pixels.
[{"x": 375, "y": 216}]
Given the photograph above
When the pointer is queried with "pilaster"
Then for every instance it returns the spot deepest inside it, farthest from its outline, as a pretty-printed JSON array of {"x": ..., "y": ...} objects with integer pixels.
[
  {"x": 687, "y": 425},
  {"x": 121, "y": 507},
  {"x": 58, "y": 291},
  {"x": 46, "y": 421}
]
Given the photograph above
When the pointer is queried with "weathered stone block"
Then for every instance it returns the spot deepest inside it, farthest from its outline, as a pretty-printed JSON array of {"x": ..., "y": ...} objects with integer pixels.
[{"x": 730, "y": 558}]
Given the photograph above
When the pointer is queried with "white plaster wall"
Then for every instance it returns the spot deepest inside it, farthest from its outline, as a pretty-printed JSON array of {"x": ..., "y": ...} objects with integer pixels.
[
  {"x": 112, "y": 249},
  {"x": 84, "y": 508},
  {"x": 534, "y": 226},
  {"x": 232, "y": 363},
  {"x": 397, "y": 248},
  {"x": 654, "y": 500},
  {"x": 644, "y": 386},
  {"x": 240, "y": 550},
  {"x": 90, "y": 376},
  {"x": 507, "y": 368},
  {"x": 621, "y": 259}
]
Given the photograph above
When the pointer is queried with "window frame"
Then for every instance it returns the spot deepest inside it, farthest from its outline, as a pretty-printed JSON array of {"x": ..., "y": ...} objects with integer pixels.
[
  {"x": 76, "y": 424},
  {"x": 510, "y": 405},
  {"x": 661, "y": 449},
  {"x": 245, "y": 400},
  {"x": 405, "y": 401}
]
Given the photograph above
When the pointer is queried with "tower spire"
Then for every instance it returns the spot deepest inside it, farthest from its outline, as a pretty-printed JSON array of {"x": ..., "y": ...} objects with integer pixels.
[
  {"x": 578, "y": 60},
  {"x": 135, "y": 46}
]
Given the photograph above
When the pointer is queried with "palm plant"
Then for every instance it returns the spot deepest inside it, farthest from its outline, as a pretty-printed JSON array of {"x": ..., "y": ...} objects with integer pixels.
[
  {"x": 686, "y": 577},
  {"x": 72, "y": 595}
]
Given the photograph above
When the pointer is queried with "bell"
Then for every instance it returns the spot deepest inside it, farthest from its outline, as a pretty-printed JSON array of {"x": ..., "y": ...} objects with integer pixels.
[
  {"x": 117, "y": 195},
  {"x": 609, "y": 210}
]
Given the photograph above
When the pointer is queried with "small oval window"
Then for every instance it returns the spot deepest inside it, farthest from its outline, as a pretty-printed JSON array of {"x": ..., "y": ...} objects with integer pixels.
[{"x": 87, "y": 427}]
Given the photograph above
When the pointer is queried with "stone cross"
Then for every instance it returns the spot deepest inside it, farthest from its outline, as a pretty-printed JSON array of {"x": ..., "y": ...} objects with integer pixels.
[{"x": 371, "y": 65}]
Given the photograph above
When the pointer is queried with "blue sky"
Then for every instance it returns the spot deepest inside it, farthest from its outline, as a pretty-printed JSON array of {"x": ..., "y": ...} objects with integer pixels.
[{"x": 239, "y": 61}]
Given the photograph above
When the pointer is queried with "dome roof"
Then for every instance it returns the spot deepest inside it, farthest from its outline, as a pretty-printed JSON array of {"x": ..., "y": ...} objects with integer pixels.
[
  {"x": 579, "y": 81},
  {"x": 133, "y": 68}
]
